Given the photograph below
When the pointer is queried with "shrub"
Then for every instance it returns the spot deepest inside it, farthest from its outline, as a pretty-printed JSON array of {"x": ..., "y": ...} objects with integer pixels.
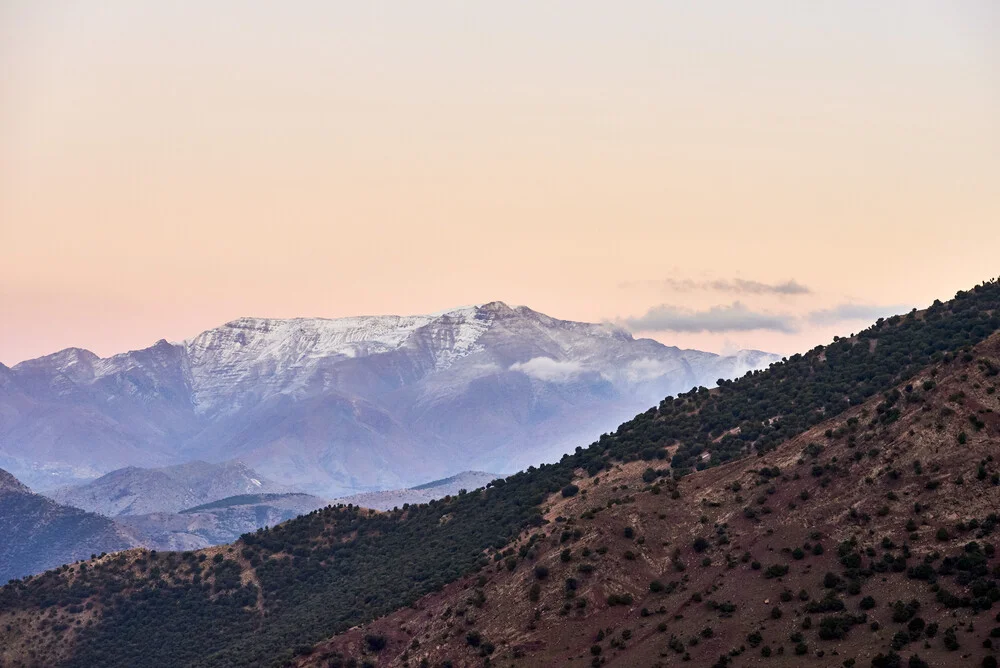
[
  {"x": 776, "y": 571},
  {"x": 570, "y": 490},
  {"x": 890, "y": 660},
  {"x": 375, "y": 643}
]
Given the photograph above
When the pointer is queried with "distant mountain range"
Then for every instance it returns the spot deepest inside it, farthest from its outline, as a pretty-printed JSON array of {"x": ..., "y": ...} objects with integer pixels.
[
  {"x": 185, "y": 507},
  {"x": 220, "y": 521},
  {"x": 39, "y": 533},
  {"x": 337, "y": 407},
  {"x": 137, "y": 491}
]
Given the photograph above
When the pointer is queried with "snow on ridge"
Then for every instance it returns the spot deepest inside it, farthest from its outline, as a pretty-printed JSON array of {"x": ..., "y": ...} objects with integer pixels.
[{"x": 283, "y": 352}]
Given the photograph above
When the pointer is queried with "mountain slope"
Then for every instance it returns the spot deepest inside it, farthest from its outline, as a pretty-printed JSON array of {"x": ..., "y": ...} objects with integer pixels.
[
  {"x": 39, "y": 533},
  {"x": 322, "y": 574},
  {"x": 347, "y": 405},
  {"x": 136, "y": 491},
  {"x": 870, "y": 534}
]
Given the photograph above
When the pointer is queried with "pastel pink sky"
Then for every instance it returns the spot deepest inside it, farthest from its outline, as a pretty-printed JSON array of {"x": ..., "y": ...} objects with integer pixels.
[{"x": 168, "y": 166}]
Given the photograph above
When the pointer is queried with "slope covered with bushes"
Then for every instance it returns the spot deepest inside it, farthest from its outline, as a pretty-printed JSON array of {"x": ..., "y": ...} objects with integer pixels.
[{"x": 869, "y": 540}]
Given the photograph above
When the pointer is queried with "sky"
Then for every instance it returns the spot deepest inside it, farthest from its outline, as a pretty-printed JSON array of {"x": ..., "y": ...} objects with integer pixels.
[{"x": 713, "y": 175}]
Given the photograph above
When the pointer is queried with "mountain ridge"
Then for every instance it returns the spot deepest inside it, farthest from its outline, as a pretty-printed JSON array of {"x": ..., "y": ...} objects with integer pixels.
[{"x": 345, "y": 405}]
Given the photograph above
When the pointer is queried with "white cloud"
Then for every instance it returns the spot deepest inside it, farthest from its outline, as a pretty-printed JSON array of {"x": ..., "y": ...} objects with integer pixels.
[
  {"x": 732, "y": 285},
  {"x": 732, "y": 318},
  {"x": 548, "y": 369},
  {"x": 647, "y": 369}
]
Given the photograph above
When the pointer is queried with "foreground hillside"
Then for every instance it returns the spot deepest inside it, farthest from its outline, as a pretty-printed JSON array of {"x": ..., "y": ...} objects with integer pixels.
[
  {"x": 867, "y": 538},
  {"x": 273, "y": 595}
]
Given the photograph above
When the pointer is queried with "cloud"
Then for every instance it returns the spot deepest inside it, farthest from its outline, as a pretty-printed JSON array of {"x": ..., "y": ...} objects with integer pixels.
[
  {"x": 548, "y": 369},
  {"x": 843, "y": 312},
  {"x": 730, "y": 285},
  {"x": 647, "y": 368},
  {"x": 736, "y": 317},
  {"x": 733, "y": 318},
  {"x": 789, "y": 287}
]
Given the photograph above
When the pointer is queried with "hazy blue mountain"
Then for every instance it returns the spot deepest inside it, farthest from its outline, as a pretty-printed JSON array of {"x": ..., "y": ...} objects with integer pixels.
[
  {"x": 221, "y": 521},
  {"x": 347, "y": 405},
  {"x": 39, "y": 533},
  {"x": 138, "y": 491}
]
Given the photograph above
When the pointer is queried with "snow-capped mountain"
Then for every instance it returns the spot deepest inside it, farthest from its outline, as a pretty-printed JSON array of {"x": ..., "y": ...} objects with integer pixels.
[{"x": 340, "y": 406}]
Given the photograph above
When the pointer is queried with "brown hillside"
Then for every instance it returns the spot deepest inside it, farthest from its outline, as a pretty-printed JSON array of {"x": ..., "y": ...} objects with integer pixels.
[{"x": 895, "y": 500}]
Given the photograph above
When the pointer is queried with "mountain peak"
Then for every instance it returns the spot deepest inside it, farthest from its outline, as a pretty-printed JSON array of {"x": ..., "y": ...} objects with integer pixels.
[
  {"x": 496, "y": 307},
  {"x": 63, "y": 359}
]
